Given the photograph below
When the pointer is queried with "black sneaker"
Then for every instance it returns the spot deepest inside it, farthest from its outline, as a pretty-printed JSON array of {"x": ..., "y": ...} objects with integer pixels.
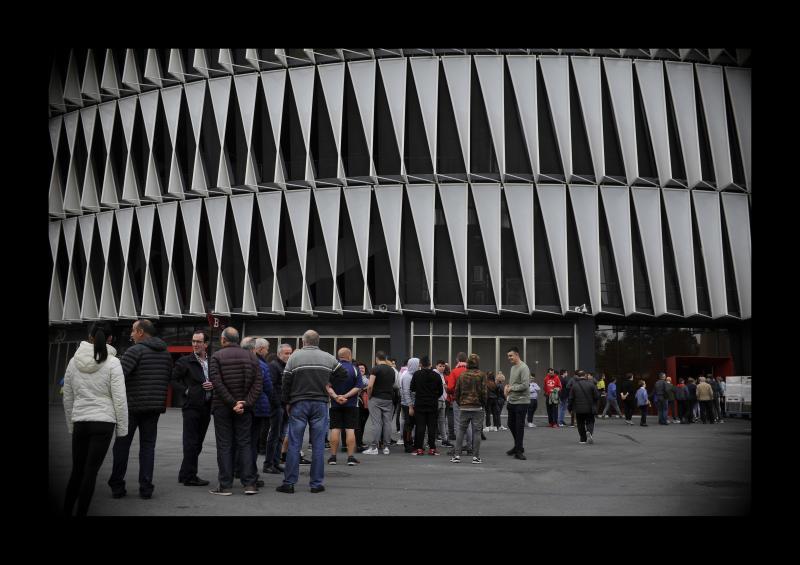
[
  {"x": 304, "y": 461},
  {"x": 288, "y": 489},
  {"x": 520, "y": 456},
  {"x": 332, "y": 460},
  {"x": 195, "y": 482},
  {"x": 252, "y": 489},
  {"x": 320, "y": 488},
  {"x": 259, "y": 484},
  {"x": 221, "y": 491},
  {"x": 352, "y": 461},
  {"x": 511, "y": 451},
  {"x": 118, "y": 493}
]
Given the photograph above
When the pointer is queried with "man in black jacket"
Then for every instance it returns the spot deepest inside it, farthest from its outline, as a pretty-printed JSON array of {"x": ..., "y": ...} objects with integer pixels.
[
  {"x": 277, "y": 425},
  {"x": 238, "y": 382},
  {"x": 191, "y": 371},
  {"x": 583, "y": 397},
  {"x": 147, "y": 366}
]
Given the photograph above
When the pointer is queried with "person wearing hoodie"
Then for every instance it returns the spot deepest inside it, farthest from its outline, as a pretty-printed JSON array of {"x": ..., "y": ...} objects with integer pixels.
[
  {"x": 406, "y": 401},
  {"x": 426, "y": 388},
  {"x": 470, "y": 394},
  {"x": 94, "y": 404}
]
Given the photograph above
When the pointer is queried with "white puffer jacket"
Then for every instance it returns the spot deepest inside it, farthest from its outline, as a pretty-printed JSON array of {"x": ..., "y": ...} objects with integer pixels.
[{"x": 95, "y": 393}]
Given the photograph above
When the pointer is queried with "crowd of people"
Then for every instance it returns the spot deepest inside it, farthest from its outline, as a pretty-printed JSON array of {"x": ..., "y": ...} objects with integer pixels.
[{"x": 262, "y": 405}]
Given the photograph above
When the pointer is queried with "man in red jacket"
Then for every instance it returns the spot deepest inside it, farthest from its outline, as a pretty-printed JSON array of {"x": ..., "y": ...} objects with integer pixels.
[
  {"x": 551, "y": 381},
  {"x": 452, "y": 380}
]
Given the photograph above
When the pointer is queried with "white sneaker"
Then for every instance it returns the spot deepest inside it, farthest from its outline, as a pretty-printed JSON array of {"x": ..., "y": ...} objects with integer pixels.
[
  {"x": 529, "y": 425},
  {"x": 503, "y": 428},
  {"x": 533, "y": 425},
  {"x": 370, "y": 451},
  {"x": 494, "y": 428},
  {"x": 487, "y": 429},
  {"x": 386, "y": 451},
  {"x": 589, "y": 437},
  {"x": 455, "y": 459}
]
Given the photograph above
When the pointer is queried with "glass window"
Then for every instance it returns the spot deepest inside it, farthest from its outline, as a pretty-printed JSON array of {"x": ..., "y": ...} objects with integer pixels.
[
  {"x": 538, "y": 355},
  {"x": 629, "y": 349},
  {"x": 363, "y": 351},
  {"x": 606, "y": 350},
  {"x": 383, "y": 344},
  {"x": 679, "y": 341},
  {"x": 564, "y": 353},
  {"x": 505, "y": 344},
  {"x": 485, "y": 348},
  {"x": 724, "y": 342},
  {"x": 441, "y": 327},
  {"x": 707, "y": 339},
  {"x": 652, "y": 345},
  {"x": 421, "y": 346},
  {"x": 344, "y": 342},
  {"x": 440, "y": 349},
  {"x": 326, "y": 344},
  {"x": 458, "y": 344}
]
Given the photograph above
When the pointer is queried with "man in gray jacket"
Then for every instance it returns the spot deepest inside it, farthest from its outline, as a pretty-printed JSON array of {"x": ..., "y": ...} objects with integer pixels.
[{"x": 308, "y": 372}]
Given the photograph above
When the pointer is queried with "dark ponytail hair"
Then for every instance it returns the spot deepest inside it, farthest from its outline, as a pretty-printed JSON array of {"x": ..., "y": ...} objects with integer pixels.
[{"x": 99, "y": 333}]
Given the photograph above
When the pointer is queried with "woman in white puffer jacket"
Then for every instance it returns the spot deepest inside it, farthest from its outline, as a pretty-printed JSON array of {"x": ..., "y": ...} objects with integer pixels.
[{"x": 95, "y": 403}]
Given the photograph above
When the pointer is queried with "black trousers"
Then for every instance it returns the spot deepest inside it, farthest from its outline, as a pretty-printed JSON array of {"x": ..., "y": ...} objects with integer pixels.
[
  {"x": 516, "y": 423},
  {"x": 683, "y": 408},
  {"x": 90, "y": 441},
  {"x": 408, "y": 426},
  {"x": 585, "y": 423},
  {"x": 147, "y": 424},
  {"x": 552, "y": 413},
  {"x": 451, "y": 423},
  {"x": 643, "y": 410},
  {"x": 706, "y": 411},
  {"x": 629, "y": 408},
  {"x": 425, "y": 419},
  {"x": 363, "y": 416},
  {"x": 494, "y": 412},
  {"x": 532, "y": 408},
  {"x": 234, "y": 429},
  {"x": 195, "y": 426}
]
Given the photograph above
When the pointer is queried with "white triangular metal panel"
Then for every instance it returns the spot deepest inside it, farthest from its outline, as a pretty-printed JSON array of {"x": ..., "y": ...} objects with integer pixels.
[
  {"x": 359, "y": 205},
  {"x": 224, "y": 172},
  {"x": 589, "y": 83},
  {"x": 426, "y": 78},
  {"x": 216, "y": 209},
  {"x": 712, "y": 93},
  {"x": 89, "y": 192},
  {"x": 679, "y": 217},
  {"x": 199, "y": 180},
  {"x": 739, "y": 86},
  {"x": 196, "y": 301},
  {"x": 72, "y": 310},
  {"x": 647, "y": 202},
  {"x": 246, "y": 93},
  {"x": 654, "y": 96},
  {"x": 200, "y": 62},
  {"x": 242, "y": 206},
  {"x": 107, "y": 114},
  {"x": 458, "y": 72},
  {"x": 108, "y": 306},
  {"x": 455, "y": 202},
  {"x": 555, "y": 70},
  {"x": 393, "y": 72},
  {"x": 109, "y": 80},
  {"x": 55, "y": 231},
  {"x": 298, "y": 203},
  {"x": 274, "y": 83},
  {"x": 332, "y": 79},
  {"x": 620, "y": 85},
  {"x": 709, "y": 224},
  {"x": 71, "y": 127},
  {"x": 617, "y": 203},
  {"x": 108, "y": 197},
  {"x": 171, "y": 99},
  {"x": 390, "y": 205},
  {"x": 487, "y": 204},
  {"x": 422, "y": 198},
  {"x": 250, "y": 171},
  {"x": 146, "y": 216},
  {"x": 124, "y": 225},
  {"x": 149, "y": 308},
  {"x": 195, "y": 99},
  {"x": 519, "y": 198},
  {"x": 56, "y": 308},
  {"x": 167, "y": 217},
  {"x": 152, "y": 186},
  {"x": 105, "y": 222},
  {"x": 681, "y": 85},
  {"x": 225, "y": 60},
  {"x": 190, "y": 211},
  {"x": 88, "y": 119},
  {"x": 72, "y": 87},
  {"x": 302, "y": 79},
  {"x": 248, "y": 299},
  {"x": 277, "y": 299},
  {"x": 737, "y": 220},
  {"x": 54, "y": 197},
  {"x": 586, "y": 208},
  {"x": 362, "y": 73},
  {"x": 148, "y": 102},
  {"x": 130, "y": 72},
  {"x": 490, "y": 75},
  {"x": 175, "y": 186},
  {"x": 152, "y": 68},
  {"x": 553, "y": 201},
  {"x": 72, "y": 197},
  {"x": 269, "y": 206},
  {"x": 220, "y": 90},
  {"x": 130, "y": 188},
  {"x": 90, "y": 86},
  {"x": 175, "y": 65},
  {"x": 328, "y": 201},
  {"x": 172, "y": 306},
  {"x": 89, "y": 302},
  {"x": 70, "y": 226},
  {"x": 127, "y": 111},
  {"x": 55, "y": 132},
  {"x": 87, "y": 233},
  {"x": 127, "y": 306}
]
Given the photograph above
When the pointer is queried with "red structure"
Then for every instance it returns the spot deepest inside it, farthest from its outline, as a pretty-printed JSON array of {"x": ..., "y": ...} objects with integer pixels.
[
  {"x": 679, "y": 366},
  {"x": 176, "y": 351}
]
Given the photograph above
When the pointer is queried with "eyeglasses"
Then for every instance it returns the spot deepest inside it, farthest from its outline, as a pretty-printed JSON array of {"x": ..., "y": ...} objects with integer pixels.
[{"x": 198, "y": 341}]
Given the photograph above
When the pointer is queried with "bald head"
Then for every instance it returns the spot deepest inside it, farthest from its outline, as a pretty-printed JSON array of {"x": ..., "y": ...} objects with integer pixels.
[
  {"x": 345, "y": 354},
  {"x": 230, "y": 336},
  {"x": 311, "y": 338}
]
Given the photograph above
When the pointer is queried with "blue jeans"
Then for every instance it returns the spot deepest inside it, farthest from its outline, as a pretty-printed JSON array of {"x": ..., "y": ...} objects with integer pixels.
[
  {"x": 147, "y": 423},
  {"x": 562, "y": 410},
  {"x": 312, "y": 413}
]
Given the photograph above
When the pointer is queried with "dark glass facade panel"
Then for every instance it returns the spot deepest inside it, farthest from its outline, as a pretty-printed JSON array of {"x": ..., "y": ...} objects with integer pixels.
[
  {"x": 611, "y": 146},
  {"x": 182, "y": 264},
  {"x": 674, "y": 300},
  {"x": 513, "y": 286},
  {"x": 116, "y": 264},
  {"x": 78, "y": 263},
  {"x": 581, "y": 154},
  {"x": 737, "y": 164},
  {"x": 290, "y": 277},
  {"x": 724, "y": 340},
  {"x": 439, "y": 350},
  {"x": 413, "y": 282},
  {"x": 62, "y": 156},
  {"x": 363, "y": 351},
  {"x": 97, "y": 266},
  {"x": 417, "y": 154},
  {"x": 140, "y": 151},
  {"x": 421, "y": 346},
  {"x": 731, "y": 293},
  {"x": 485, "y": 348},
  {"x": 162, "y": 147},
  {"x": 349, "y": 276},
  {"x": 379, "y": 272},
  {"x": 235, "y": 141},
  {"x": 675, "y": 149},
  {"x": 450, "y": 158},
  {"x": 644, "y": 145},
  {"x": 546, "y": 292},
  {"x": 610, "y": 294},
  {"x": 652, "y": 346},
  {"x": 706, "y": 164},
  {"x": 326, "y": 344},
  {"x": 80, "y": 156},
  {"x": 479, "y": 283},
  {"x": 293, "y": 147},
  {"x": 323, "y": 145},
  {"x": 384, "y": 142},
  {"x": 210, "y": 147},
  {"x": 263, "y": 141},
  {"x": 355, "y": 152},
  {"x": 97, "y": 156},
  {"x": 159, "y": 265},
  {"x": 517, "y": 158},
  {"x": 606, "y": 349},
  {"x": 119, "y": 154},
  {"x": 440, "y": 327},
  {"x": 708, "y": 340},
  {"x": 260, "y": 264},
  {"x": 537, "y": 355},
  {"x": 549, "y": 154},
  {"x": 578, "y": 287},
  {"x": 483, "y": 158},
  {"x": 232, "y": 264},
  {"x": 207, "y": 267},
  {"x": 504, "y": 345},
  {"x": 564, "y": 353},
  {"x": 641, "y": 281},
  {"x": 185, "y": 146},
  {"x": 679, "y": 341},
  {"x": 701, "y": 281},
  {"x": 384, "y": 344},
  {"x": 629, "y": 349},
  {"x": 318, "y": 268},
  {"x": 446, "y": 288},
  {"x": 136, "y": 265},
  {"x": 457, "y": 344}
]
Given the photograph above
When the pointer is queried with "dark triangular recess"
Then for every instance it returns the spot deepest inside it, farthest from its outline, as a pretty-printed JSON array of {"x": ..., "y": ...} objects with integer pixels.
[
  {"x": 260, "y": 265},
  {"x": 235, "y": 141},
  {"x": 290, "y": 277},
  {"x": 97, "y": 155},
  {"x": 80, "y": 157},
  {"x": 318, "y": 267},
  {"x": 349, "y": 277},
  {"x": 578, "y": 286},
  {"x": 675, "y": 150},
  {"x": 162, "y": 147},
  {"x": 730, "y": 276},
  {"x": 379, "y": 272},
  {"x": 159, "y": 265},
  {"x": 232, "y": 263},
  {"x": 517, "y": 159},
  {"x": 140, "y": 151},
  {"x": 96, "y": 264},
  {"x": 182, "y": 264},
  {"x": 644, "y": 145},
  {"x": 62, "y": 156},
  {"x": 78, "y": 263},
  {"x": 549, "y": 154},
  {"x": 119, "y": 154},
  {"x": 483, "y": 159},
  {"x": 207, "y": 267},
  {"x": 417, "y": 153},
  {"x": 513, "y": 285},
  {"x": 733, "y": 139},
  {"x": 546, "y": 291},
  {"x": 450, "y": 157},
  {"x": 116, "y": 263},
  {"x": 612, "y": 149},
  {"x": 610, "y": 294},
  {"x": 264, "y": 151},
  {"x": 673, "y": 291},
  {"x": 480, "y": 292},
  {"x": 581, "y": 153},
  {"x": 210, "y": 147},
  {"x": 413, "y": 283},
  {"x": 703, "y": 301},
  {"x": 355, "y": 152},
  {"x": 323, "y": 145},
  {"x": 706, "y": 163},
  {"x": 185, "y": 146},
  {"x": 641, "y": 282},
  {"x": 136, "y": 264},
  {"x": 446, "y": 289},
  {"x": 385, "y": 150}
]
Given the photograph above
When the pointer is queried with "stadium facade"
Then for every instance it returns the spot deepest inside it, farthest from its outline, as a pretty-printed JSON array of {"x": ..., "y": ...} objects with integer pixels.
[{"x": 590, "y": 206}]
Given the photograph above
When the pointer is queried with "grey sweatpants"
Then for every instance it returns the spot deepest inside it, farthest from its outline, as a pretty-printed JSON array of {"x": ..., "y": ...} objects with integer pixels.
[{"x": 380, "y": 418}]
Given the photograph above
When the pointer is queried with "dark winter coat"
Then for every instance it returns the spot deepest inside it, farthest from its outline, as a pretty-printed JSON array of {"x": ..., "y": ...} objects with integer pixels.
[
  {"x": 629, "y": 388},
  {"x": 147, "y": 366},
  {"x": 427, "y": 385},
  {"x": 236, "y": 376},
  {"x": 583, "y": 396},
  {"x": 263, "y": 404},
  {"x": 188, "y": 373},
  {"x": 276, "y": 367}
]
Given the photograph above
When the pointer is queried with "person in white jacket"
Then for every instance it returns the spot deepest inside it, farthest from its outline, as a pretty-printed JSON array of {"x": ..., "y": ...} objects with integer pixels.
[{"x": 94, "y": 403}]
